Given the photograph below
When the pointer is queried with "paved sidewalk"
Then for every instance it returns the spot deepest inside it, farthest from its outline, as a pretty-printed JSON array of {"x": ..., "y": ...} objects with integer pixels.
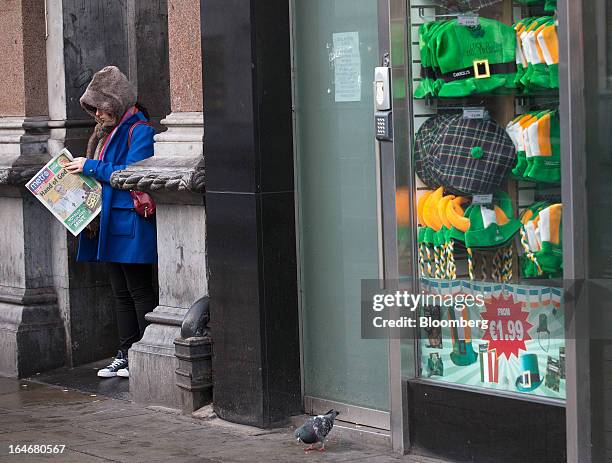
[{"x": 95, "y": 428}]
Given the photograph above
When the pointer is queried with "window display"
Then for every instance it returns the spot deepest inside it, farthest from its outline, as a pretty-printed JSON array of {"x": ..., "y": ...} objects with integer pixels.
[{"x": 486, "y": 156}]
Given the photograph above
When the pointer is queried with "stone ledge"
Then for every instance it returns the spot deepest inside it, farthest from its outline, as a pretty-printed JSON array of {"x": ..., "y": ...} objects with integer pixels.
[
  {"x": 165, "y": 315},
  {"x": 27, "y": 296},
  {"x": 22, "y": 169},
  {"x": 158, "y": 175}
]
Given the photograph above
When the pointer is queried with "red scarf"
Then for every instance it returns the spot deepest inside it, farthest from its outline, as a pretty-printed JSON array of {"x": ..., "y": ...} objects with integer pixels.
[{"x": 130, "y": 112}]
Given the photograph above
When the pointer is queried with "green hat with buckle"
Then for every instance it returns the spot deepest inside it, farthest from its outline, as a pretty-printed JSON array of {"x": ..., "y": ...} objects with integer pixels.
[
  {"x": 459, "y": 60},
  {"x": 529, "y": 378},
  {"x": 475, "y": 59},
  {"x": 428, "y": 72}
]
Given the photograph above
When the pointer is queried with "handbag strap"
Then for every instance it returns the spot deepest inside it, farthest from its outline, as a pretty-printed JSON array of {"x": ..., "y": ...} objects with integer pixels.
[{"x": 129, "y": 141}]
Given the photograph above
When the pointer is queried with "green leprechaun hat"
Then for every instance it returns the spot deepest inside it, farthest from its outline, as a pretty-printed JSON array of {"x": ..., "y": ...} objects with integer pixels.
[
  {"x": 529, "y": 378},
  {"x": 530, "y": 267},
  {"x": 550, "y": 230},
  {"x": 492, "y": 227},
  {"x": 428, "y": 73},
  {"x": 544, "y": 164},
  {"x": 477, "y": 59}
]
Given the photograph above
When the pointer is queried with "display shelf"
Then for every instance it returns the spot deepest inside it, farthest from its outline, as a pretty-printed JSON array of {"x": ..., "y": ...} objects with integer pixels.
[{"x": 463, "y": 366}]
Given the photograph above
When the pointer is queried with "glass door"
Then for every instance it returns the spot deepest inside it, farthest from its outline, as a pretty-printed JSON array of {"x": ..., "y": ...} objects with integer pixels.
[{"x": 336, "y": 48}]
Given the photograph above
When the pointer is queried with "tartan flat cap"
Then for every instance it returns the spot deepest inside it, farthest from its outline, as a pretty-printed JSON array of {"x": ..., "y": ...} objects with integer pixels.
[
  {"x": 423, "y": 144},
  {"x": 466, "y": 156}
]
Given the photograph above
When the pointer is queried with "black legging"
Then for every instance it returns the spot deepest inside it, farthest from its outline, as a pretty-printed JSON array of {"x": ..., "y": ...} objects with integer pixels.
[{"x": 134, "y": 297}]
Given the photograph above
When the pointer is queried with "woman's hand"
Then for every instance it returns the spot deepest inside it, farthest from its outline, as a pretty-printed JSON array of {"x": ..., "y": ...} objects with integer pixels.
[{"x": 76, "y": 166}]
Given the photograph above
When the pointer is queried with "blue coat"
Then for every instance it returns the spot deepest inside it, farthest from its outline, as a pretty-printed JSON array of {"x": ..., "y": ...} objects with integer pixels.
[{"x": 123, "y": 236}]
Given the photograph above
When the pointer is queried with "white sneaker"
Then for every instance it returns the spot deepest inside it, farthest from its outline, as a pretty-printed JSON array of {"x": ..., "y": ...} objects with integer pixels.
[
  {"x": 124, "y": 372},
  {"x": 116, "y": 365}
]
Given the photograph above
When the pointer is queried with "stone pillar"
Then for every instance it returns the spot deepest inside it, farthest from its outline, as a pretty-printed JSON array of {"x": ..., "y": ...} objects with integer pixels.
[
  {"x": 175, "y": 176},
  {"x": 31, "y": 332}
]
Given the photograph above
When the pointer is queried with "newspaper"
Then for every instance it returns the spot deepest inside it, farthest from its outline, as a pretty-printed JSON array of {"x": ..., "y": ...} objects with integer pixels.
[{"x": 74, "y": 199}]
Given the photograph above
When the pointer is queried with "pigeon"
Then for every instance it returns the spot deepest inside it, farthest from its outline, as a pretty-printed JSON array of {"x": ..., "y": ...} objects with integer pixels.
[{"x": 316, "y": 429}]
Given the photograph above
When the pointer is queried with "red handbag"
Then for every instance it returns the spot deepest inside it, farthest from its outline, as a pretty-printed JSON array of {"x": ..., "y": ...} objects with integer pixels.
[{"x": 144, "y": 204}]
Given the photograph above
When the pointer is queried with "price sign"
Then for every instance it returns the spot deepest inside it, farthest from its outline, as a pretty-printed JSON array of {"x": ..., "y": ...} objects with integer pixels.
[
  {"x": 482, "y": 199},
  {"x": 468, "y": 19},
  {"x": 474, "y": 113},
  {"x": 508, "y": 326},
  {"x": 512, "y": 330}
]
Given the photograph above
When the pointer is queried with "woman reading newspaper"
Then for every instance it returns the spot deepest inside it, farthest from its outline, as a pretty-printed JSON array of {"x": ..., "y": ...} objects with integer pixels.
[{"x": 121, "y": 237}]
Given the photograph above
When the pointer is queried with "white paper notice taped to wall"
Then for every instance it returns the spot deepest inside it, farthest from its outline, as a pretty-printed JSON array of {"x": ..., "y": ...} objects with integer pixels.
[{"x": 347, "y": 66}]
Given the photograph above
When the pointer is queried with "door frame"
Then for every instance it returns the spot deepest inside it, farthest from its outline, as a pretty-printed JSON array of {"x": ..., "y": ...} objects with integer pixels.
[
  {"x": 394, "y": 37},
  {"x": 575, "y": 237}
]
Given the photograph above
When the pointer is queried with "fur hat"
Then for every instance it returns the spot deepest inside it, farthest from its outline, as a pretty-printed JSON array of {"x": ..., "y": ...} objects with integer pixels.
[{"x": 110, "y": 91}]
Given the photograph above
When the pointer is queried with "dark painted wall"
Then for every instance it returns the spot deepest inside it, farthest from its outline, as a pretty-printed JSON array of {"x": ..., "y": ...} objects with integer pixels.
[
  {"x": 95, "y": 35},
  {"x": 251, "y": 245},
  {"x": 152, "y": 57},
  {"x": 469, "y": 427}
]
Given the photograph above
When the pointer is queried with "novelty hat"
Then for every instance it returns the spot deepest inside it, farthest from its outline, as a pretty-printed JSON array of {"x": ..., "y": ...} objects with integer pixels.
[
  {"x": 428, "y": 86},
  {"x": 492, "y": 227},
  {"x": 459, "y": 60},
  {"x": 424, "y": 144},
  {"x": 515, "y": 129},
  {"x": 550, "y": 256},
  {"x": 474, "y": 59},
  {"x": 458, "y": 218},
  {"x": 543, "y": 150},
  {"x": 529, "y": 379},
  {"x": 541, "y": 239},
  {"x": 466, "y": 156},
  {"x": 536, "y": 137},
  {"x": 532, "y": 211},
  {"x": 437, "y": 215},
  {"x": 430, "y": 210},
  {"x": 537, "y": 54},
  {"x": 421, "y": 206}
]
